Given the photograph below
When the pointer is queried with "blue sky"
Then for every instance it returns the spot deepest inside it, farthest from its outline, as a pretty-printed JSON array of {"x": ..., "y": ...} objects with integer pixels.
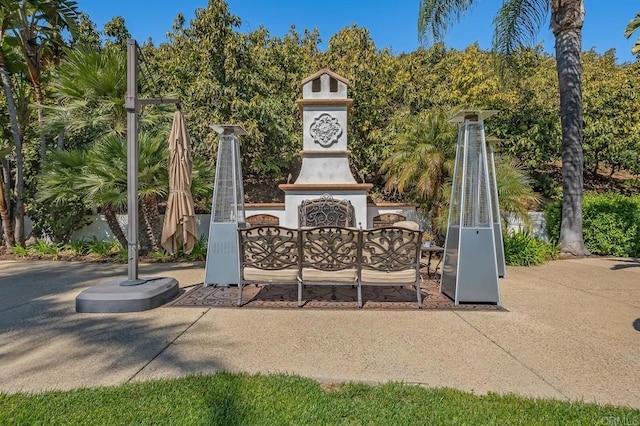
[{"x": 392, "y": 24}]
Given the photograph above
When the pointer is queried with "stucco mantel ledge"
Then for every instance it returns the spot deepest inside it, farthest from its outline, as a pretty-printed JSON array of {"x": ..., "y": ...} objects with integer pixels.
[
  {"x": 388, "y": 204},
  {"x": 274, "y": 206},
  {"x": 323, "y": 103},
  {"x": 288, "y": 187}
]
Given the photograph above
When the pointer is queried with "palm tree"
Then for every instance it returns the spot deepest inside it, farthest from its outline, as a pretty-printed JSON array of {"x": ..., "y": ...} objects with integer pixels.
[
  {"x": 37, "y": 30},
  {"x": 8, "y": 60},
  {"x": 89, "y": 88},
  {"x": 515, "y": 194},
  {"x": 516, "y": 23},
  {"x": 5, "y": 214},
  {"x": 423, "y": 156},
  {"x": 21, "y": 24},
  {"x": 99, "y": 176},
  {"x": 633, "y": 25}
]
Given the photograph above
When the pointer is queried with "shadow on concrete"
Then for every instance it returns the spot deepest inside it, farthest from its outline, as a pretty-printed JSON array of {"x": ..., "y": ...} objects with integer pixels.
[
  {"x": 636, "y": 324},
  {"x": 47, "y": 345},
  {"x": 626, "y": 264}
]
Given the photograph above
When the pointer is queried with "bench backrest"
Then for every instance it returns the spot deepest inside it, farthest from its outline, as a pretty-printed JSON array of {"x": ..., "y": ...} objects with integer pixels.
[
  {"x": 269, "y": 247},
  {"x": 390, "y": 249},
  {"x": 329, "y": 248}
]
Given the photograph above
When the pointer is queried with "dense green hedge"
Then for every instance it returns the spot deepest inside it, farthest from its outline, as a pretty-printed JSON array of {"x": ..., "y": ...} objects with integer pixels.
[
  {"x": 521, "y": 248},
  {"x": 610, "y": 222}
]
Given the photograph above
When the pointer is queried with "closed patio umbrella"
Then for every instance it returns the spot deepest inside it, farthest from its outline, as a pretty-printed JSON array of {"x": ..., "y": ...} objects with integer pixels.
[{"x": 179, "y": 228}]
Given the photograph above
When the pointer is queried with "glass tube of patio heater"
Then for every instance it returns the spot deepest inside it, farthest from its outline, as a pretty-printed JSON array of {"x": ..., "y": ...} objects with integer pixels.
[
  {"x": 476, "y": 208},
  {"x": 224, "y": 191}
]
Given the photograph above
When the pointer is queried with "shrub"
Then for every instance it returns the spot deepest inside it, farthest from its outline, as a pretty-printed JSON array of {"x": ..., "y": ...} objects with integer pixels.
[
  {"x": 103, "y": 248},
  {"x": 160, "y": 255},
  {"x": 521, "y": 248},
  {"x": 610, "y": 224},
  {"x": 122, "y": 256},
  {"x": 58, "y": 221},
  {"x": 18, "y": 251},
  {"x": 199, "y": 251},
  {"x": 42, "y": 247},
  {"x": 77, "y": 247}
]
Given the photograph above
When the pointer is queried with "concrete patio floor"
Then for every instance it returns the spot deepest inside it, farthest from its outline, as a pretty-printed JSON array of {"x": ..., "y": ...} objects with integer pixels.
[{"x": 572, "y": 331}]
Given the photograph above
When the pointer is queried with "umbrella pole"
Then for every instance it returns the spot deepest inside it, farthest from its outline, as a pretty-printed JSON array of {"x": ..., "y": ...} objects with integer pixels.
[{"x": 132, "y": 105}]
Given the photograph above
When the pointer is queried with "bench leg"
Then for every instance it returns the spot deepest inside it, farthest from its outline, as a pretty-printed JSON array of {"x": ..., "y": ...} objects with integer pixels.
[
  {"x": 300, "y": 295},
  {"x": 359, "y": 286},
  {"x": 419, "y": 295},
  {"x": 240, "y": 294}
]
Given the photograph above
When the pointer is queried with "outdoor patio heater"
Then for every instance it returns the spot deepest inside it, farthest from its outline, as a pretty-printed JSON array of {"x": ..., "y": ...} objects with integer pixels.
[
  {"x": 227, "y": 211},
  {"x": 470, "y": 268}
]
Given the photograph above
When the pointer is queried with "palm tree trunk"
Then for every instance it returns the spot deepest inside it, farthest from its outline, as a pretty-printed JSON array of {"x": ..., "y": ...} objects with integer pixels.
[
  {"x": 7, "y": 220},
  {"x": 43, "y": 140},
  {"x": 6, "y": 217},
  {"x": 151, "y": 218},
  {"x": 33, "y": 67},
  {"x": 17, "y": 139},
  {"x": 567, "y": 17},
  {"x": 112, "y": 220}
]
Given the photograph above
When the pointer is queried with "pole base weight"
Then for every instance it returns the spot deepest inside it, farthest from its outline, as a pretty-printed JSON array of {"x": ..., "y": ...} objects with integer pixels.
[{"x": 117, "y": 298}]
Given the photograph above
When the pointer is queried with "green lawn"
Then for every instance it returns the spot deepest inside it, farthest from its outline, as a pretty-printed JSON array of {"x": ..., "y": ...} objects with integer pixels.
[{"x": 228, "y": 399}]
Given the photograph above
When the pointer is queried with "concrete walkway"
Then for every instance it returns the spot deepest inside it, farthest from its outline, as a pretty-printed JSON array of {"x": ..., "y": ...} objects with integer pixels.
[{"x": 572, "y": 332}]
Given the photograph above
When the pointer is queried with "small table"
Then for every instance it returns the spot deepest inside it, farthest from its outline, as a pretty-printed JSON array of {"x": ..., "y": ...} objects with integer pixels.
[{"x": 429, "y": 251}]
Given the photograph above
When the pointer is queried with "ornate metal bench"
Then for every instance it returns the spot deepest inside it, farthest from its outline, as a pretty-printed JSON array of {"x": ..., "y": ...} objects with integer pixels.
[{"x": 330, "y": 255}]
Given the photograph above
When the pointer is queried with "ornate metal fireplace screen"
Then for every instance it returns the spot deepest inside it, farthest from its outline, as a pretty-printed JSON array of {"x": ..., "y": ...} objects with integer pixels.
[{"x": 326, "y": 211}]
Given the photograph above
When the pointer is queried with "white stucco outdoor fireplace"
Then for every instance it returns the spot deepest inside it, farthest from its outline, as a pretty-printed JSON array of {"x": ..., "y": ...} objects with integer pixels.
[{"x": 325, "y": 173}]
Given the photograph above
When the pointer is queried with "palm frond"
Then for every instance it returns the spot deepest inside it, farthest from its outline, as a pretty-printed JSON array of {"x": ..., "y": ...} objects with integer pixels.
[
  {"x": 59, "y": 179},
  {"x": 435, "y": 17},
  {"x": 515, "y": 194},
  {"x": 633, "y": 25},
  {"x": 517, "y": 24}
]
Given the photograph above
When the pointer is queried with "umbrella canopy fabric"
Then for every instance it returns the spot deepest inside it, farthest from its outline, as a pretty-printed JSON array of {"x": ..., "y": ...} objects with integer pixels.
[{"x": 179, "y": 228}]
